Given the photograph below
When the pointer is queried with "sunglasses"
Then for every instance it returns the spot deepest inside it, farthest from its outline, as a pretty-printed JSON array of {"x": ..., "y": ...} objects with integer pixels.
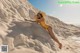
[{"x": 39, "y": 16}]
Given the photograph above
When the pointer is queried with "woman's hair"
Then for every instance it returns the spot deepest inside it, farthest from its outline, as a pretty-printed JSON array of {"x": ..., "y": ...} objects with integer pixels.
[{"x": 39, "y": 15}]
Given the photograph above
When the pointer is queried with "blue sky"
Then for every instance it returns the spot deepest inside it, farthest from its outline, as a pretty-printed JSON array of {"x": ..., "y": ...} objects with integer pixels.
[
  {"x": 68, "y": 13},
  {"x": 44, "y": 5}
]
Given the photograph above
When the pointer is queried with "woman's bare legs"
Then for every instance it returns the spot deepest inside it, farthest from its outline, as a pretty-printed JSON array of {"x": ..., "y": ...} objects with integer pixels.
[{"x": 54, "y": 37}]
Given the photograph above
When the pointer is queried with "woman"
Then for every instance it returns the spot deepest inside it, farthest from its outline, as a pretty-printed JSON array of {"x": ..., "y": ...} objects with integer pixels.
[{"x": 40, "y": 19}]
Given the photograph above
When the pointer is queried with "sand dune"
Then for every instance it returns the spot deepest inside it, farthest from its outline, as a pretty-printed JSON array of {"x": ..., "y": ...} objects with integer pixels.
[{"x": 19, "y": 31}]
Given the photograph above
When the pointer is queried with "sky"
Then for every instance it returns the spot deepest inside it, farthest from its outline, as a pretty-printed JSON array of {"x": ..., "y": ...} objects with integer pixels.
[{"x": 68, "y": 13}]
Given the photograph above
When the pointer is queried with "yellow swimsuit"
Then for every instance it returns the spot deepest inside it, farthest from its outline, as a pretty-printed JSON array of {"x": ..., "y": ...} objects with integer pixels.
[{"x": 42, "y": 23}]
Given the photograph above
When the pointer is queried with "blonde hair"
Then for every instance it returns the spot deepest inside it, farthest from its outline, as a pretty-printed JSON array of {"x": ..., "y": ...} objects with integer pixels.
[{"x": 42, "y": 13}]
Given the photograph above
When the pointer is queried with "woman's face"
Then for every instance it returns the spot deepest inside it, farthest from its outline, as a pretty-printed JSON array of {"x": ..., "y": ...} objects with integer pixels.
[{"x": 39, "y": 16}]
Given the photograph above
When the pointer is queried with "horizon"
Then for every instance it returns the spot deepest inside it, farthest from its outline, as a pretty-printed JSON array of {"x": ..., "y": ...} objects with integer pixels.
[{"x": 68, "y": 13}]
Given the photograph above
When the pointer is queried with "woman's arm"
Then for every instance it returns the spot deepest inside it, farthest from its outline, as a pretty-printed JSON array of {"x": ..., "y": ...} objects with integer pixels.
[{"x": 54, "y": 37}]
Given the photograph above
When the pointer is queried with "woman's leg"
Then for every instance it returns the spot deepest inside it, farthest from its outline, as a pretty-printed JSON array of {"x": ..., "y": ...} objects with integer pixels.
[{"x": 54, "y": 37}]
